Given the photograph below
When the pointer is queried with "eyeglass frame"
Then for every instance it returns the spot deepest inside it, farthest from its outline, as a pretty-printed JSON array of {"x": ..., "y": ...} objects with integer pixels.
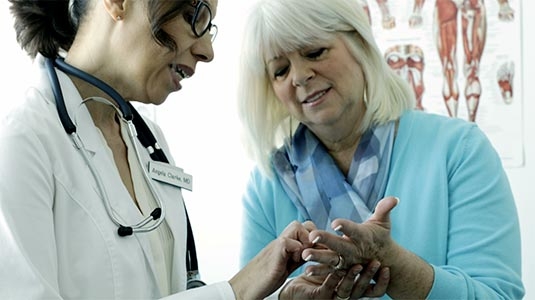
[{"x": 209, "y": 26}]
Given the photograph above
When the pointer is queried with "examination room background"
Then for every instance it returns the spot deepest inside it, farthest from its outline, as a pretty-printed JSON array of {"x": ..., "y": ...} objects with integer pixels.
[{"x": 201, "y": 125}]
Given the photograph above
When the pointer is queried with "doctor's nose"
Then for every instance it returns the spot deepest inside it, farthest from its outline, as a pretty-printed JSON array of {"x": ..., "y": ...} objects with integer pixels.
[{"x": 203, "y": 49}]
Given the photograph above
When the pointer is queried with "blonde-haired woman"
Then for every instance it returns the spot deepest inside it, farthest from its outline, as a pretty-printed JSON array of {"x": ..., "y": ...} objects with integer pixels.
[{"x": 337, "y": 142}]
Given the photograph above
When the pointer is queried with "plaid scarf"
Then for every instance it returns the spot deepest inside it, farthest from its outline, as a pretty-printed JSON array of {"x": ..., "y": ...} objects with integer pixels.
[{"x": 319, "y": 189}]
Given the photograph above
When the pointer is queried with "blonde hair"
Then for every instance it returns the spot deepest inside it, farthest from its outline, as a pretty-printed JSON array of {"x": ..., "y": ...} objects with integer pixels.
[{"x": 282, "y": 26}]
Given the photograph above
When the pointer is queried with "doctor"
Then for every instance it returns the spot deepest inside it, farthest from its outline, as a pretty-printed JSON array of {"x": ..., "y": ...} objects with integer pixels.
[{"x": 90, "y": 200}]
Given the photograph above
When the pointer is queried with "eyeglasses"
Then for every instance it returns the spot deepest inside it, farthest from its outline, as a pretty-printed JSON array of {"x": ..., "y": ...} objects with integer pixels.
[{"x": 202, "y": 20}]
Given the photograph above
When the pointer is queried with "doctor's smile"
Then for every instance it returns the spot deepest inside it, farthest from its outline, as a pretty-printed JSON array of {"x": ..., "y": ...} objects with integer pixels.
[{"x": 178, "y": 73}]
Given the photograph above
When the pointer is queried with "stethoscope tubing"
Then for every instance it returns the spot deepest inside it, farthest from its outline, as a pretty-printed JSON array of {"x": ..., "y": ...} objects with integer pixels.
[{"x": 123, "y": 109}]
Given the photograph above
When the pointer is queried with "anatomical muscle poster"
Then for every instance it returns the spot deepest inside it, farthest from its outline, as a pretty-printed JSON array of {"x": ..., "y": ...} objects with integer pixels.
[{"x": 462, "y": 58}]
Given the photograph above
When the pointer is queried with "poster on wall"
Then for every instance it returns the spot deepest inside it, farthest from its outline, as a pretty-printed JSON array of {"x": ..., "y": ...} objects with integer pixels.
[{"x": 462, "y": 58}]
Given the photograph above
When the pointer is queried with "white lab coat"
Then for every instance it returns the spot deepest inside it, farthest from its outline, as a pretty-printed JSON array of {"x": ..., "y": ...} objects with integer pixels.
[{"x": 56, "y": 238}]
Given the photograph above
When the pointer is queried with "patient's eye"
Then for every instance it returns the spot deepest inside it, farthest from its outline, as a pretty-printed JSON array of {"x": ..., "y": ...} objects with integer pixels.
[
  {"x": 279, "y": 72},
  {"x": 315, "y": 53}
]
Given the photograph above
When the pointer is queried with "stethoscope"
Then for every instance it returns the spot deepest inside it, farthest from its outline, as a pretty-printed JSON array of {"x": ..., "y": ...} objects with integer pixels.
[{"x": 137, "y": 128}]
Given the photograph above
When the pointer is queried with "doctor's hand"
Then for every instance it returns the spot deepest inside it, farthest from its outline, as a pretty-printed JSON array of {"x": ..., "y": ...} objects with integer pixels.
[
  {"x": 330, "y": 283},
  {"x": 268, "y": 270}
]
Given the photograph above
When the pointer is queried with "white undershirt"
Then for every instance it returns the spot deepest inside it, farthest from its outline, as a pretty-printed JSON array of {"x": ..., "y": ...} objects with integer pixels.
[{"x": 161, "y": 239}]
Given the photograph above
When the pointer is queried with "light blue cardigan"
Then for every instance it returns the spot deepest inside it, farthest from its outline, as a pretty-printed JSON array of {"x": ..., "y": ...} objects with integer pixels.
[{"x": 457, "y": 210}]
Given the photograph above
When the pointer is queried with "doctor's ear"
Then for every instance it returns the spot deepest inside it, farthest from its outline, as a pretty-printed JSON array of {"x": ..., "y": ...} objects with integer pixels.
[{"x": 116, "y": 8}]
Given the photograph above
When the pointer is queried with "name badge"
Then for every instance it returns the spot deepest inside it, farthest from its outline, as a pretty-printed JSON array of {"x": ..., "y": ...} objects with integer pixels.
[{"x": 170, "y": 174}]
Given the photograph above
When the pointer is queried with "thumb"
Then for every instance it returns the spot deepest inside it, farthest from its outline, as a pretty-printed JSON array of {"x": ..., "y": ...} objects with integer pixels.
[{"x": 383, "y": 208}]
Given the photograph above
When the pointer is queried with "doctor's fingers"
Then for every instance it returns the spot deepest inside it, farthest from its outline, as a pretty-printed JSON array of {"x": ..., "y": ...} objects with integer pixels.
[
  {"x": 364, "y": 284},
  {"x": 309, "y": 225},
  {"x": 350, "y": 286},
  {"x": 382, "y": 279},
  {"x": 331, "y": 282},
  {"x": 358, "y": 282},
  {"x": 298, "y": 232},
  {"x": 281, "y": 253}
]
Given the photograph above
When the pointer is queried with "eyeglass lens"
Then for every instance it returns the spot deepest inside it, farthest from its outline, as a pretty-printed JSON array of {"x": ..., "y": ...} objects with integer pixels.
[{"x": 203, "y": 19}]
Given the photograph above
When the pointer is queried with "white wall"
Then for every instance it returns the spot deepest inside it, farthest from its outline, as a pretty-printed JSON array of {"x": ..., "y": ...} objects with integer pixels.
[
  {"x": 202, "y": 129},
  {"x": 522, "y": 179}
]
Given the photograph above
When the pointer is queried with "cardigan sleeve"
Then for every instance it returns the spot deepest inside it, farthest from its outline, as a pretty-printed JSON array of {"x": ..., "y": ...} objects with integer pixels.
[
  {"x": 483, "y": 260},
  {"x": 258, "y": 228}
]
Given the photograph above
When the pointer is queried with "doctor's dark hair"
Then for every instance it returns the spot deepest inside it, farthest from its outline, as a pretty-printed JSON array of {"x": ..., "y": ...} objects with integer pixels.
[{"x": 46, "y": 26}]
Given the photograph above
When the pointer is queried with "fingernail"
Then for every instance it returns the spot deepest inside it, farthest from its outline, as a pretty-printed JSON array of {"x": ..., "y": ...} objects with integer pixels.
[
  {"x": 309, "y": 257},
  {"x": 338, "y": 228},
  {"x": 317, "y": 239},
  {"x": 310, "y": 274},
  {"x": 397, "y": 199},
  {"x": 357, "y": 271}
]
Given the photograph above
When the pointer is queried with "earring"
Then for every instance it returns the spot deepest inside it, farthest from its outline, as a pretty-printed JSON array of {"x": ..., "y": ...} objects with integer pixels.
[{"x": 118, "y": 18}]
